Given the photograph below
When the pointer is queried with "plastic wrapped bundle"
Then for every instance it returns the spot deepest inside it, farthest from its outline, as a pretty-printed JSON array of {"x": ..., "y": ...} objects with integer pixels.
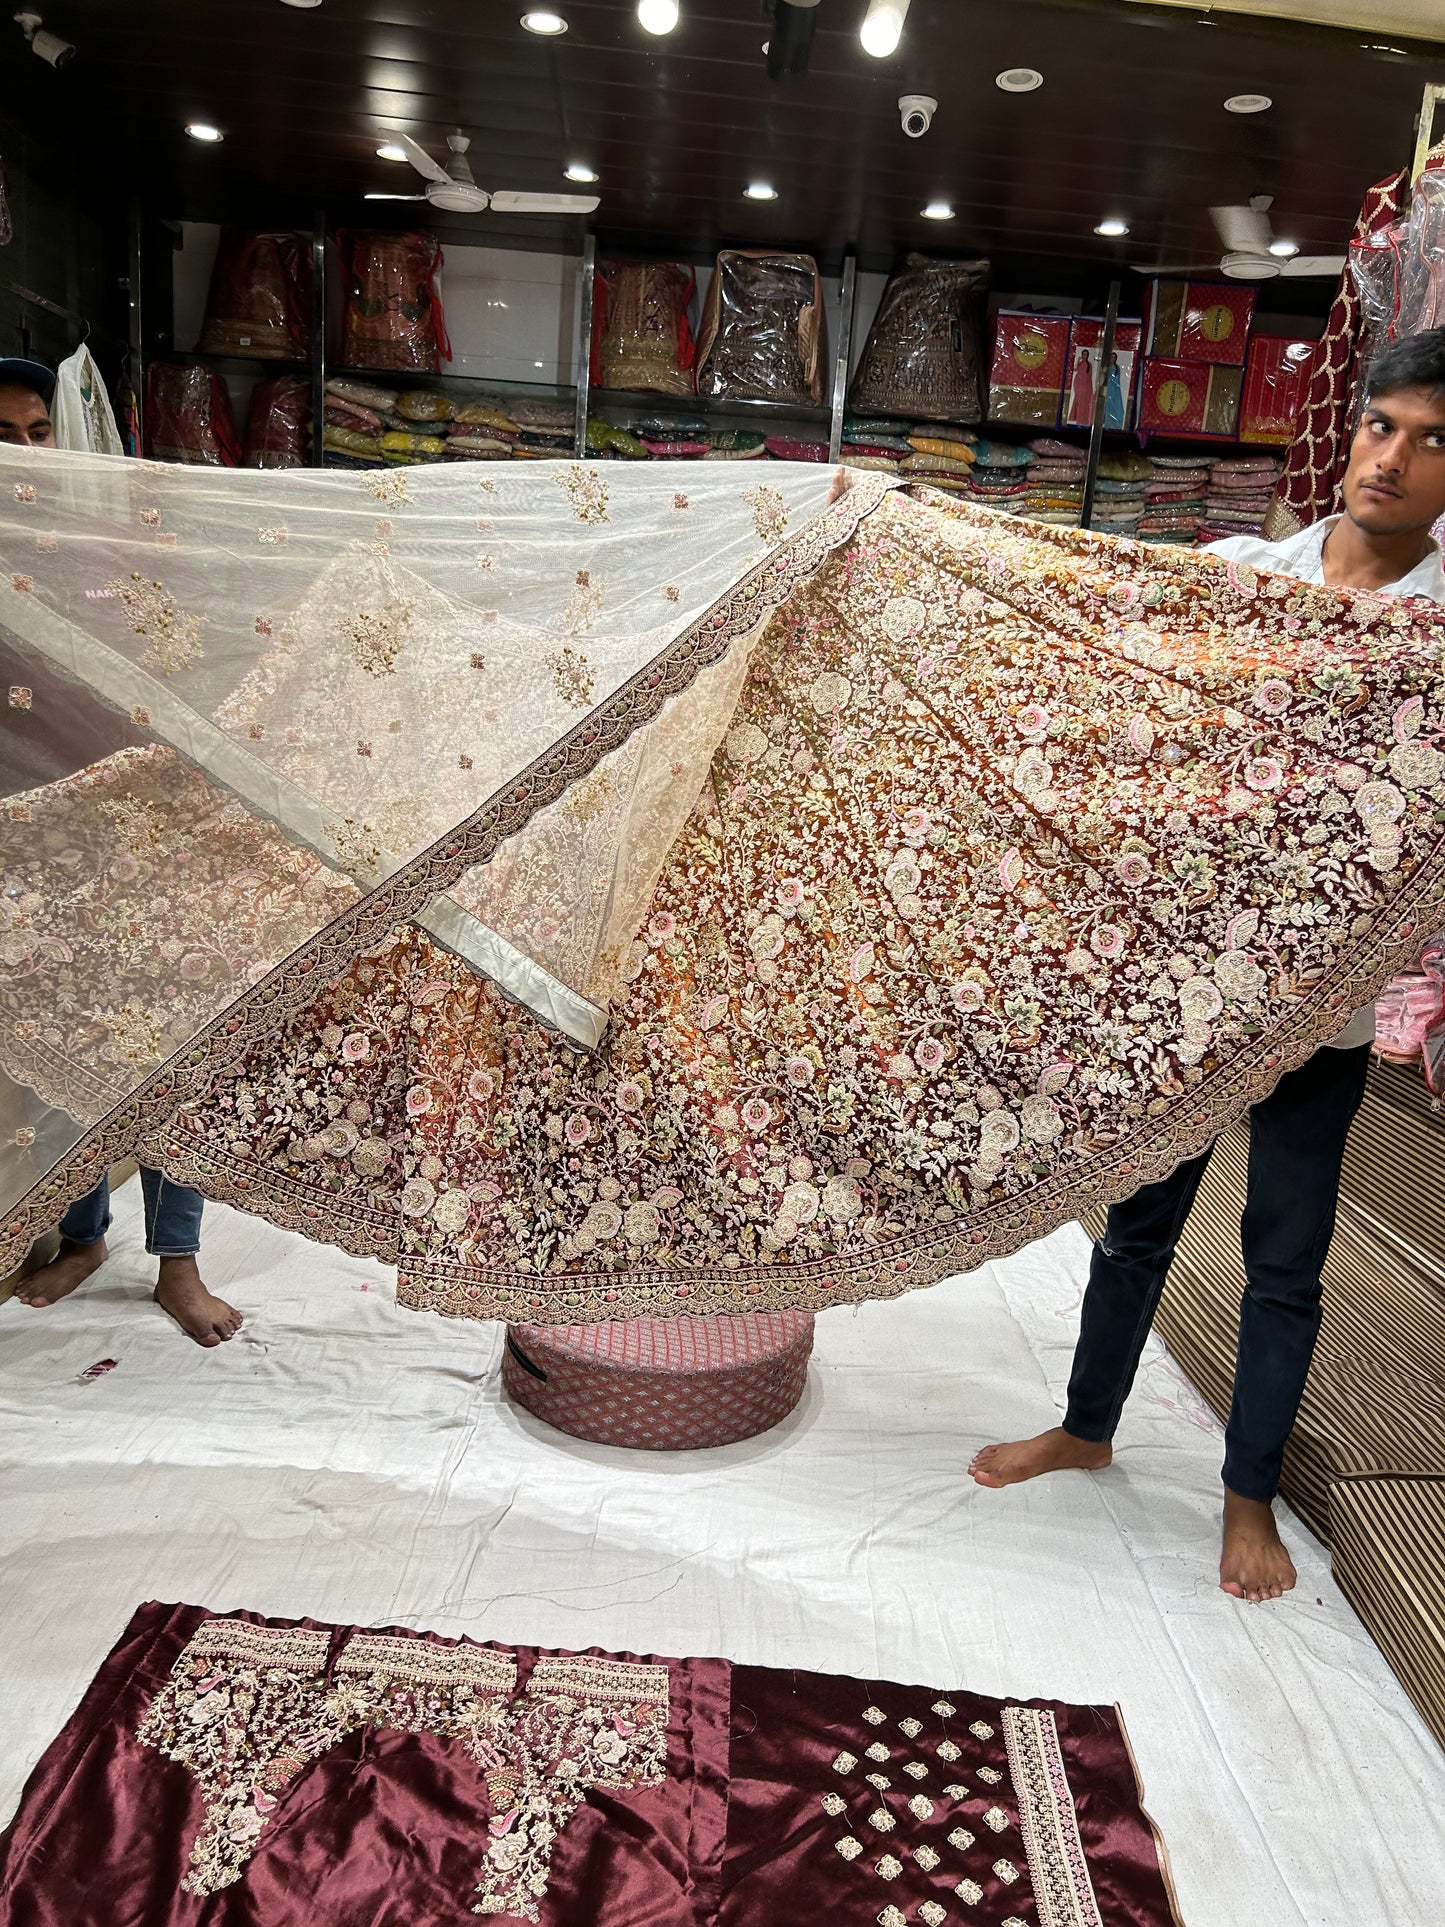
[
  {"x": 393, "y": 310},
  {"x": 260, "y": 298},
  {"x": 188, "y": 416},
  {"x": 761, "y": 337},
  {"x": 641, "y": 336},
  {"x": 278, "y": 427},
  {"x": 925, "y": 347},
  {"x": 425, "y": 405}
]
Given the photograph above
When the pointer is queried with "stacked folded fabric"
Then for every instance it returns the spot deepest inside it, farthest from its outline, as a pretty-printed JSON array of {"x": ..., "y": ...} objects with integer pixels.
[
  {"x": 875, "y": 443},
  {"x": 481, "y": 431},
  {"x": 1174, "y": 498},
  {"x": 941, "y": 455},
  {"x": 1055, "y": 482},
  {"x": 1118, "y": 507},
  {"x": 1240, "y": 490},
  {"x": 356, "y": 416},
  {"x": 999, "y": 476},
  {"x": 545, "y": 430},
  {"x": 738, "y": 445}
]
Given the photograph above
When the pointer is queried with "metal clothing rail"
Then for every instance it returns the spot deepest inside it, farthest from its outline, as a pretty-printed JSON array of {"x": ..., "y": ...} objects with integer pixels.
[{"x": 50, "y": 307}]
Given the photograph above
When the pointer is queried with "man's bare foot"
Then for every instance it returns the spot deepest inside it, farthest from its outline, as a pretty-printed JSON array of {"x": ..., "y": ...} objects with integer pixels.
[
  {"x": 198, "y": 1312},
  {"x": 70, "y": 1266},
  {"x": 1253, "y": 1564},
  {"x": 1052, "y": 1451}
]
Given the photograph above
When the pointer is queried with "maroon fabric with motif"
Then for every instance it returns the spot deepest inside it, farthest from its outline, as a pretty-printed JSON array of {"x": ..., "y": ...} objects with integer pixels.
[{"x": 241, "y": 1772}]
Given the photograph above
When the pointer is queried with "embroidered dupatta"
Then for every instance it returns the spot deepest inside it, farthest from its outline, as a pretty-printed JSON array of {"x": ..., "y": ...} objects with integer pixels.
[{"x": 989, "y": 878}]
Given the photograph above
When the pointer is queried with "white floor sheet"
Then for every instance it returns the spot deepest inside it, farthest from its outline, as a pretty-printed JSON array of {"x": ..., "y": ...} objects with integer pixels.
[{"x": 357, "y": 1463}]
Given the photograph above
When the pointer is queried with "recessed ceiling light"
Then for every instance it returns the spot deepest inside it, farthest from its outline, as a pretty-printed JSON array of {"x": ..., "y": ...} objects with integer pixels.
[
  {"x": 202, "y": 130},
  {"x": 578, "y": 172},
  {"x": 657, "y": 16},
  {"x": 544, "y": 22},
  {"x": 1284, "y": 250},
  {"x": 760, "y": 191},
  {"x": 1247, "y": 104},
  {"x": 882, "y": 27},
  {"x": 1019, "y": 80},
  {"x": 1113, "y": 230},
  {"x": 301, "y": 3},
  {"x": 937, "y": 211},
  {"x": 389, "y": 151}
]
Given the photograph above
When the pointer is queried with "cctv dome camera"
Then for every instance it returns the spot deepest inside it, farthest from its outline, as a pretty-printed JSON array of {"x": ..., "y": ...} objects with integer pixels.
[{"x": 917, "y": 111}]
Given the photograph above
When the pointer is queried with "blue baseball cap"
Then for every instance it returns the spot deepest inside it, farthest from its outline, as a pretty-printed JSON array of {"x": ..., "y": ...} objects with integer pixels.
[{"x": 16, "y": 371}]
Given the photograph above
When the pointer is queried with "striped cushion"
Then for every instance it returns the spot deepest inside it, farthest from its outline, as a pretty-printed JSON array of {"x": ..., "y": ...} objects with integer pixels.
[{"x": 1388, "y": 1539}]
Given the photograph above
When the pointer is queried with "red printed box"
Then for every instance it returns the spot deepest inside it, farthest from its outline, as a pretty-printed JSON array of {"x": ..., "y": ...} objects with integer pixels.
[
  {"x": 1026, "y": 379},
  {"x": 1199, "y": 320},
  {"x": 1085, "y": 337},
  {"x": 1276, "y": 381},
  {"x": 1188, "y": 398}
]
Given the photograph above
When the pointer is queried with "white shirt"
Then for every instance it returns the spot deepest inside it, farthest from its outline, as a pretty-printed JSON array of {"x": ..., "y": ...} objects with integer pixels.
[{"x": 1303, "y": 556}]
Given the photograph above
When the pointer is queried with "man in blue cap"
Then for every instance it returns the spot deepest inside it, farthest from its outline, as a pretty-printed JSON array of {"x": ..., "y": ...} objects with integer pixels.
[
  {"x": 27, "y": 388},
  {"x": 172, "y": 1211}
]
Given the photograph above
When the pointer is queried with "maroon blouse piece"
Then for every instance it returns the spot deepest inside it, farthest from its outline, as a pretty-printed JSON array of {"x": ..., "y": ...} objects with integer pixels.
[{"x": 245, "y": 1772}]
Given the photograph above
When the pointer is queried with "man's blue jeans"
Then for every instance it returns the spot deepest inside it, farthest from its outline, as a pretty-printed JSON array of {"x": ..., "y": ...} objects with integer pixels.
[
  {"x": 1296, "y": 1146},
  {"x": 172, "y": 1216}
]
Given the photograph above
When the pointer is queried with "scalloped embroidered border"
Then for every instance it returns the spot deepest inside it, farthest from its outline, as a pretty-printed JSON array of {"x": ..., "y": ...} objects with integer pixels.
[
  {"x": 285, "y": 990},
  {"x": 908, "y": 1263},
  {"x": 1048, "y": 1821}
]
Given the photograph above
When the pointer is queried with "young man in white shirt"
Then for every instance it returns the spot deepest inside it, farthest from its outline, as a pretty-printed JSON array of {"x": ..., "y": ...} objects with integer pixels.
[{"x": 1394, "y": 491}]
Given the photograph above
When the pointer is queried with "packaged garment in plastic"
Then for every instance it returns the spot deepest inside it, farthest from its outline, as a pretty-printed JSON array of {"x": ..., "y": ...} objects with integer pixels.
[
  {"x": 188, "y": 416},
  {"x": 925, "y": 347},
  {"x": 393, "y": 310},
  {"x": 1030, "y": 362},
  {"x": 365, "y": 394},
  {"x": 783, "y": 448},
  {"x": 278, "y": 427},
  {"x": 485, "y": 414},
  {"x": 346, "y": 441},
  {"x": 761, "y": 337},
  {"x": 399, "y": 442},
  {"x": 641, "y": 337},
  {"x": 424, "y": 405},
  {"x": 260, "y": 298}
]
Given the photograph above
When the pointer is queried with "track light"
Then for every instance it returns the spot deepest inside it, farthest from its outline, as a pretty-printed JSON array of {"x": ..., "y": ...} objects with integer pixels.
[
  {"x": 791, "y": 40},
  {"x": 657, "y": 16},
  {"x": 882, "y": 27}
]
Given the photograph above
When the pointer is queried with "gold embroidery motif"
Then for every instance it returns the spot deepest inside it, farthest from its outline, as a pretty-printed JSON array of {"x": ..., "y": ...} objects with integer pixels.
[
  {"x": 996, "y": 1819},
  {"x": 961, "y": 1837},
  {"x": 572, "y": 676},
  {"x": 136, "y": 1033},
  {"x": 911, "y": 1727},
  {"x": 20, "y": 696},
  {"x": 888, "y": 1868},
  {"x": 1006, "y": 1871},
  {"x": 173, "y": 638},
  {"x": 944, "y": 1709},
  {"x": 47, "y": 544},
  {"x": 845, "y": 1763},
  {"x": 849, "y": 1847},
  {"x": 770, "y": 512},
  {"x": 969, "y": 1892},
  {"x": 834, "y": 1804},
  {"x": 926, "y": 1857},
  {"x": 25, "y": 491},
  {"x": 136, "y": 822},
  {"x": 22, "y": 585},
  {"x": 583, "y": 603},
  {"x": 377, "y": 639},
  {"x": 587, "y": 492},
  {"x": 388, "y": 487},
  {"x": 931, "y": 1913},
  {"x": 874, "y": 1715}
]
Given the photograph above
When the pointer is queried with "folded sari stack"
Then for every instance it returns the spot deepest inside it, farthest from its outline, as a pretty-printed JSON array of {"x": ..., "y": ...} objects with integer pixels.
[
  {"x": 1119, "y": 492},
  {"x": 1241, "y": 488},
  {"x": 481, "y": 431},
  {"x": 1174, "y": 499},
  {"x": 356, "y": 416},
  {"x": 941, "y": 454},
  {"x": 1056, "y": 482},
  {"x": 875, "y": 443},
  {"x": 999, "y": 476},
  {"x": 545, "y": 430}
]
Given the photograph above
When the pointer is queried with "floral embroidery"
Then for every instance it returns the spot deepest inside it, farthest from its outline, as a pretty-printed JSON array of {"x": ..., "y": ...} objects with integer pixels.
[
  {"x": 135, "y": 1032},
  {"x": 1006, "y": 1871},
  {"x": 921, "y": 1807},
  {"x": 572, "y": 676},
  {"x": 25, "y": 491},
  {"x": 926, "y": 1857},
  {"x": 378, "y": 638},
  {"x": 20, "y": 696},
  {"x": 915, "y": 1769},
  {"x": 990, "y": 1775},
  {"x": 981, "y": 1730},
  {"x": 167, "y": 540},
  {"x": 849, "y": 1847},
  {"x": 996, "y": 1819},
  {"x": 874, "y": 1715},
  {"x": 770, "y": 512},
  {"x": 881, "y": 1820},
  {"x": 486, "y": 562},
  {"x": 969, "y": 1892},
  {"x": 388, "y": 487},
  {"x": 948, "y": 1751},
  {"x": 22, "y": 585},
  {"x": 583, "y": 604},
  {"x": 911, "y": 1727},
  {"x": 587, "y": 492},
  {"x": 274, "y": 538},
  {"x": 1063, "y": 1887},
  {"x": 672, "y": 593},
  {"x": 879, "y": 1752},
  {"x": 680, "y": 501},
  {"x": 942, "y": 1707},
  {"x": 47, "y": 544},
  {"x": 141, "y": 716},
  {"x": 151, "y": 517},
  {"x": 248, "y": 1708},
  {"x": 892, "y": 1917},
  {"x": 24, "y": 1137},
  {"x": 136, "y": 822},
  {"x": 879, "y": 1781},
  {"x": 961, "y": 1838},
  {"x": 932, "y": 1913},
  {"x": 845, "y": 1763},
  {"x": 173, "y": 638},
  {"x": 834, "y": 1804},
  {"x": 888, "y": 1868}
]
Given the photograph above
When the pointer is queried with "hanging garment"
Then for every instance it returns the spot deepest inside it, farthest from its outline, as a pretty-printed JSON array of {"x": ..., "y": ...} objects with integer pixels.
[
  {"x": 636, "y": 899},
  {"x": 286, "y": 1772},
  {"x": 81, "y": 411},
  {"x": 1315, "y": 463}
]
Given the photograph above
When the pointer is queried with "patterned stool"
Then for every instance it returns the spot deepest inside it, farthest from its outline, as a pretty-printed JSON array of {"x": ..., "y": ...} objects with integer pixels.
[{"x": 662, "y": 1384}]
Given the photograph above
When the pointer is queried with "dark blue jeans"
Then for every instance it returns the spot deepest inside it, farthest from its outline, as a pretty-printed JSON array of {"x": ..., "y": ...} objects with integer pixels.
[
  {"x": 172, "y": 1216},
  {"x": 1296, "y": 1146}
]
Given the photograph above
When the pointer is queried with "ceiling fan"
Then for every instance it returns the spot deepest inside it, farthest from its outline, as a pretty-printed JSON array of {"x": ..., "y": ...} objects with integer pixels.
[
  {"x": 1248, "y": 241},
  {"x": 454, "y": 190}
]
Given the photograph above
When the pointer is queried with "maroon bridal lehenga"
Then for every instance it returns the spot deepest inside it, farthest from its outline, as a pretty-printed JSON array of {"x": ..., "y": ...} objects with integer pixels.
[{"x": 229, "y": 1770}]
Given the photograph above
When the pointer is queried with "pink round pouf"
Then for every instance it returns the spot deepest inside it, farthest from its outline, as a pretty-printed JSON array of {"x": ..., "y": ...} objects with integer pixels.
[{"x": 662, "y": 1384}]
